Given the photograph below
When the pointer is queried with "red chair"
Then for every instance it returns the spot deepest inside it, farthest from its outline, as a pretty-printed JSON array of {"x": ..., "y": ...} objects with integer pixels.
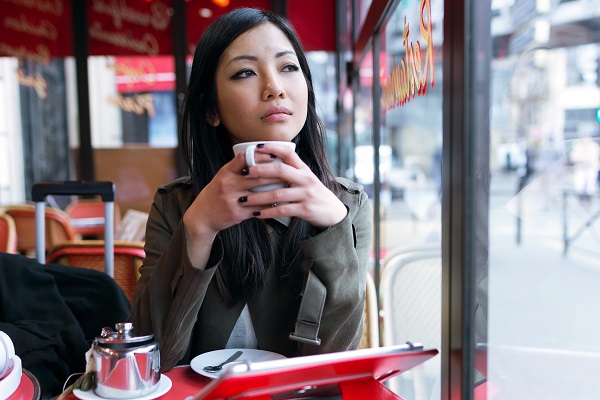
[
  {"x": 8, "y": 234},
  {"x": 128, "y": 257},
  {"x": 87, "y": 217},
  {"x": 57, "y": 226}
]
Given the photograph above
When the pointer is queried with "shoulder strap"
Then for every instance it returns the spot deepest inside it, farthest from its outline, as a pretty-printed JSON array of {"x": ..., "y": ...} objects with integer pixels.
[{"x": 310, "y": 312}]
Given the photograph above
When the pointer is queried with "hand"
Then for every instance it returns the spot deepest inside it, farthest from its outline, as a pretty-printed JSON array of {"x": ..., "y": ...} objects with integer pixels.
[
  {"x": 218, "y": 206},
  {"x": 306, "y": 197}
]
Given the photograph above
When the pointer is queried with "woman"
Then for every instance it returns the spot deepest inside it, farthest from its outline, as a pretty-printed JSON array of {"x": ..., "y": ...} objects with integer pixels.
[{"x": 227, "y": 267}]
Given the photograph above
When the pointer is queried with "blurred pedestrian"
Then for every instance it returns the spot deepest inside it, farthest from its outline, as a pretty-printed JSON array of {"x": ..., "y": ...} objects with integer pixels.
[{"x": 585, "y": 156}]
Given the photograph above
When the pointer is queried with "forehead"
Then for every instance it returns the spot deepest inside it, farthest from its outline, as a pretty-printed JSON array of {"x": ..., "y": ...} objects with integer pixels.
[{"x": 266, "y": 39}]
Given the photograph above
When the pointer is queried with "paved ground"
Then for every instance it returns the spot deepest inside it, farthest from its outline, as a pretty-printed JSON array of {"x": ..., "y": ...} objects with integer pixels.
[{"x": 544, "y": 304}]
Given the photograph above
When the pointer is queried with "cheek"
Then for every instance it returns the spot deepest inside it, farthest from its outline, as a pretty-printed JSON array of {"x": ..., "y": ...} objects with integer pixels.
[{"x": 231, "y": 106}]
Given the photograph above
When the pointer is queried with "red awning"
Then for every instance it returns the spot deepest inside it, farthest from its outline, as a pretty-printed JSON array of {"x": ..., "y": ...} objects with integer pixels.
[{"x": 41, "y": 30}]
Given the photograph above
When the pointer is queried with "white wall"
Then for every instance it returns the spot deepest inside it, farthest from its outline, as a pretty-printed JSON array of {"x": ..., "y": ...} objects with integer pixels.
[{"x": 12, "y": 186}]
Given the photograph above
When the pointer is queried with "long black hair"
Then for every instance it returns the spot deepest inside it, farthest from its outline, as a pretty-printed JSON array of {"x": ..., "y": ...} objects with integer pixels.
[{"x": 206, "y": 149}]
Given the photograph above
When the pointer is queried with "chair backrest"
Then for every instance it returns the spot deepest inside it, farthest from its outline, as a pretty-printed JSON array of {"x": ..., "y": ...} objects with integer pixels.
[
  {"x": 370, "y": 337},
  {"x": 57, "y": 226},
  {"x": 128, "y": 257},
  {"x": 411, "y": 301},
  {"x": 87, "y": 217},
  {"x": 8, "y": 234}
]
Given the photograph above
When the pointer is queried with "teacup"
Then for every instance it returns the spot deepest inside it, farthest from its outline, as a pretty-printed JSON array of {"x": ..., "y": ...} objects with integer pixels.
[
  {"x": 7, "y": 353},
  {"x": 249, "y": 148}
]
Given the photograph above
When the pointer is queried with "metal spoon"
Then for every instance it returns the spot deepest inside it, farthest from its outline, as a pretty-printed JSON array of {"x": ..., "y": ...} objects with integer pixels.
[{"x": 216, "y": 368}]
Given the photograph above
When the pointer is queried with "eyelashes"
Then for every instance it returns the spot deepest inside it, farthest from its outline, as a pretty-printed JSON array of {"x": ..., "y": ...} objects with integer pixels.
[
  {"x": 246, "y": 73},
  {"x": 291, "y": 68}
]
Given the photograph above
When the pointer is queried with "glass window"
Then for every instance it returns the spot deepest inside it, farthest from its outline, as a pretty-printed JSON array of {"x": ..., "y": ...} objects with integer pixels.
[
  {"x": 132, "y": 100},
  {"x": 544, "y": 261},
  {"x": 410, "y": 152}
]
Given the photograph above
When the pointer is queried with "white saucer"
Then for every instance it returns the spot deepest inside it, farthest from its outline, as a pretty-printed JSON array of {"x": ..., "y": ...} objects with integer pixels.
[
  {"x": 218, "y": 356},
  {"x": 164, "y": 385}
]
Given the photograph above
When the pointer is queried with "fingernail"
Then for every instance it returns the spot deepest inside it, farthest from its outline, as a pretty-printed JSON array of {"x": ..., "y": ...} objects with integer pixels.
[
  {"x": 273, "y": 155},
  {"x": 243, "y": 199},
  {"x": 260, "y": 145},
  {"x": 244, "y": 171},
  {"x": 256, "y": 213}
]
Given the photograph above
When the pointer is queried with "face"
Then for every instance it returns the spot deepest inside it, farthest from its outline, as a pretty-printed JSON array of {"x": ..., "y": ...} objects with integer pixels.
[{"x": 261, "y": 90}]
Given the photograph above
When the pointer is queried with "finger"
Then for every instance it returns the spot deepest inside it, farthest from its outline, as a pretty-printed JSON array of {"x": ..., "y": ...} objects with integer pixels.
[
  {"x": 237, "y": 163},
  {"x": 286, "y": 153}
]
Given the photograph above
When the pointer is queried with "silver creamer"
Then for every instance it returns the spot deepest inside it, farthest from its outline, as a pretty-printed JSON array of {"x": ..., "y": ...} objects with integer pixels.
[{"x": 127, "y": 366}]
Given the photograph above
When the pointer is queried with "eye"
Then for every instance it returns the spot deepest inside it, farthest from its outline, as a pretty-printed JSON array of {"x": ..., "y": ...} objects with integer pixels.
[
  {"x": 245, "y": 73},
  {"x": 290, "y": 68}
]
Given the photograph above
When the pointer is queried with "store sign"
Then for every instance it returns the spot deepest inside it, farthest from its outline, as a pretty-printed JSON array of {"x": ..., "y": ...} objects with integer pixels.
[
  {"x": 120, "y": 27},
  {"x": 137, "y": 78},
  {"x": 34, "y": 29},
  {"x": 144, "y": 74},
  {"x": 408, "y": 78}
]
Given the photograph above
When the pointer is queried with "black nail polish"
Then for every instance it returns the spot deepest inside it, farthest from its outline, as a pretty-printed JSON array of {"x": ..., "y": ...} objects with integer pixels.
[
  {"x": 256, "y": 213},
  {"x": 243, "y": 199},
  {"x": 245, "y": 171},
  {"x": 273, "y": 155},
  {"x": 260, "y": 145}
]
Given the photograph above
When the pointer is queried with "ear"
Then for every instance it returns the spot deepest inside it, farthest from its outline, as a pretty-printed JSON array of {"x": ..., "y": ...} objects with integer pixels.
[{"x": 212, "y": 118}]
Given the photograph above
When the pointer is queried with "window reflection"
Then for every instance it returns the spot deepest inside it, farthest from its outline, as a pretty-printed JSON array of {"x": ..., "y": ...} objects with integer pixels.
[
  {"x": 544, "y": 203},
  {"x": 410, "y": 153},
  {"x": 132, "y": 100}
]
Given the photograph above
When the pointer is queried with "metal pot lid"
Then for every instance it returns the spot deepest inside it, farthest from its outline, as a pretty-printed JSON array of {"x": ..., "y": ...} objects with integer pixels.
[{"x": 124, "y": 334}]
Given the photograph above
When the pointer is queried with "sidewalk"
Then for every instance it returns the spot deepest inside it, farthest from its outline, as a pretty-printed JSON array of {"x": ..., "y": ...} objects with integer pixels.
[{"x": 542, "y": 301}]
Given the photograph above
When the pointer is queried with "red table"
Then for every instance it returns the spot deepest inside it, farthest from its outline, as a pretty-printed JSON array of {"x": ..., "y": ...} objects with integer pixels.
[
  {"x": 28, "y": 389},
  {"x": 186, "y": 382}
]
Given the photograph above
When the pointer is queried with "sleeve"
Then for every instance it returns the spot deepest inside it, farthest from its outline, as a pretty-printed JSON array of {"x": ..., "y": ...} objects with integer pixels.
[
  {"x": 170, "y": 290},
  {"x": 339, "y": 258}
]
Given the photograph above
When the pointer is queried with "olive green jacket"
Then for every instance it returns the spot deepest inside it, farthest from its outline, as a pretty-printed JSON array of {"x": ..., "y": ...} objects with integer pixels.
[{"x": 182, "y": 307}]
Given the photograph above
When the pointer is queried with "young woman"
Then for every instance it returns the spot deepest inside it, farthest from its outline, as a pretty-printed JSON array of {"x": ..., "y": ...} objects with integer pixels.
[{"x": 227, "y": 267}]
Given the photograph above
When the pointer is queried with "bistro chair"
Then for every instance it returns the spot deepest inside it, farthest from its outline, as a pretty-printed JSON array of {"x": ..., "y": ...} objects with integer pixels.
[
  {"x": 411, "y": 307},
  {"x": 128, "y": 257},
  {"x": 58, "y": 229},
  {"x": 87, "y": 217},
  {"x": 370, "y": 337},
  {"x": 8, "y": 234}
]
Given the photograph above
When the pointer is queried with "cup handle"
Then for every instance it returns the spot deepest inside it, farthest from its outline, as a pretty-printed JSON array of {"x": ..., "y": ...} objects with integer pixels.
[{"x": 250, "y": 155}]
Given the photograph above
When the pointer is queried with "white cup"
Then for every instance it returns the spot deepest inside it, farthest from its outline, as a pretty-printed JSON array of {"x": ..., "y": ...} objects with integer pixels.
[
  {"x": 7, "y": 353},
  {"x": 249, "y": 148}
]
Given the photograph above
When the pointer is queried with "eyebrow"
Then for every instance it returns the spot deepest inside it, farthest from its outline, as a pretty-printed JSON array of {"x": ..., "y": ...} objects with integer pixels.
[{"x": 254, "y": 58}]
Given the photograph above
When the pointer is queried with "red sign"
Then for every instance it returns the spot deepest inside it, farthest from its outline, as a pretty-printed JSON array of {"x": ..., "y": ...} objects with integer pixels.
[
  {"x": 36, "y": 30},
  {"x": 120, "y": 27},
  {"x": 144, "y": 74},
  {"x": 200, "y": 14}
]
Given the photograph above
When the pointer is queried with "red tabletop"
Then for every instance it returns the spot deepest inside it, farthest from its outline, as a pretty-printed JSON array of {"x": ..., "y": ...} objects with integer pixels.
[
  {"x": 186, "y": 382},
  {"x": 28, "y": 389}
]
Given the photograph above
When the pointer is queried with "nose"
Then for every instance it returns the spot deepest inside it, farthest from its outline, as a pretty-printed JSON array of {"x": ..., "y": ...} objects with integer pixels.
[{"x": 272, "y": 88}]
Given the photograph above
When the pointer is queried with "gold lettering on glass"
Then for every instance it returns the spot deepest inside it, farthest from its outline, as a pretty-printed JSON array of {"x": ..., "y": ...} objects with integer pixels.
[
  {"x": 37, "y": 82},
  {"x": 137, "y": 104},
  {"x": 408, "y": 78},
  {"x": 158, "y": 17},
  {"x": 44, "y": 28},
  {"x": 147, "y": 44}
]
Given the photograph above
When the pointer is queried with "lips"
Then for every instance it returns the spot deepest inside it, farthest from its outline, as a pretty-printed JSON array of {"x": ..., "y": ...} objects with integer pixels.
[{"x": 276, "y": 114}]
